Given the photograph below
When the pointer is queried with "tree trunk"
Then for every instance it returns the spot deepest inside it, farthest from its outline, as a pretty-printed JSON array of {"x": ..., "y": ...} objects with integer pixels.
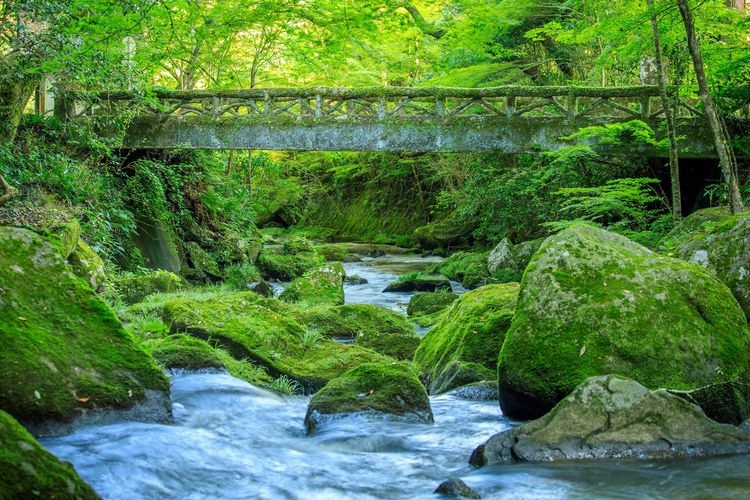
[
  {"x": 721, "y": 140},
  {"x": 7, "y": 192},
  {"x": 674, "y": 165},
  {"x": 14, "y": 95}
]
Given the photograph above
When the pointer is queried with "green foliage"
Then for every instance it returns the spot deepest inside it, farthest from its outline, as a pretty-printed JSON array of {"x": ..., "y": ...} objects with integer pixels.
[
  {"x": 241, "y": 276},
  {"x": 285, "y": 385}
]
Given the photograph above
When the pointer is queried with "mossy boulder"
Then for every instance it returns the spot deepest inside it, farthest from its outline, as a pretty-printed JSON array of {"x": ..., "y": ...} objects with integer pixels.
[
  {"x": 725, "y": 402},
  {"x": 64, "y": 236},
  {"x": 424, "y": 303},
  {"x": 134, "y": 288},
  {"x": 445, "y": 233},
  {"x": 375, "y": 327},
  {"x": 87, "y": 264},
  {"x": 246, "y": 326},
  {"x": 27, "y": 470},
  {"x": 64, "y": 350},
  {"x": 321, "y": 286},
  {"x": 593, "y": 302},
  {"x": 470, "y": 268},
  {"x": 295, "y": 257},
  {"x": 419, "y": 282},
  {"x": 390, "y": 389},
  {"x": 609, "y": 417},
  {"x": 720, "y": 242},
  {"x": 463, "y": 347},
  {"x": 201, "y": 264},
  {"x": 183, "y": 351}
]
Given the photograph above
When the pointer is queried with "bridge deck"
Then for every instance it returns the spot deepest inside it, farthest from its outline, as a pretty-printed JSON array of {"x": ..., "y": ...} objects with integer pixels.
[{"x": 510, "y": 119}]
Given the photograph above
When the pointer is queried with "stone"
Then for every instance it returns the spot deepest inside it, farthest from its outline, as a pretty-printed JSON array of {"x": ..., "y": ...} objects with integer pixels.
[
  {"x": 133, "y": 288},
  {"x": 183, "y": 351},
  {"x": 321, "y": 286},
  {"x": 609, "y": 417},
  {"x": 593, "y": 302},
  {"x": 424, "y": 303},
  {"x": 388, "y": 390},
  {"x": 292, "y": 260},
  {"x": 263, "y": 332},
  {"x": 375, "y": 327},
  {"x": 355, "y": 280},
  {"x": 501, "y": 257},
  {"x": 470, "y": 268},
  {"x": 726, "y": 402},
  {"x": 263, "y": 288},
  {"x": 87, "y": 264},
  {"x": 445, "y": 233},
  {"x": 463, "y": 346},
  {"x": 418, "y": 282},
  {"x": 477, "y": 391},
  {"x": 65, "y": 354},
  {"x": 714, "y": 239},
  {"x": 27, "y": 470},
  {"x": 456, "y": 488}
]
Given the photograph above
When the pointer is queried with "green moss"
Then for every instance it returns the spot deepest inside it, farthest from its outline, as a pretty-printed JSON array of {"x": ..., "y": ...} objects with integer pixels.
[
  {"x": 463, "y": 346},
  {"x": 470, "y": 268},
  {"x": 87, "y": 264},
  {"x": 593, "y": 303},
  {"x": 135, "y": 288},
  {"x": 426, "y": 303},
  {"x": 419, "y": 282},
  {"x": 297, "y": 244},
  {"x": 246, "y": 326},
  {"x": 202, "y": 264},
  {"x": 335, "y": 252},
  {"x": 371, "y": 326},
  {"x": 718, "y": 241},
  {"x": 390, "y": 388},
  {"x": 182, "y": 351},
  {"x": 29, "y": 471},
  {"x": 64, "y": 236},
  {"x": 274, "y": 264},
  {"x": 322, "y": 286},
  {"x": 64, "y": 350},
  {"x": 446, "y": 233}
]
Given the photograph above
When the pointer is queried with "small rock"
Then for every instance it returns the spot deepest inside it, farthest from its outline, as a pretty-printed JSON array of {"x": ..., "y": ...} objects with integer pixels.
[
  {"x": 456, "y": 488},
  {"x": 355, "y": 280},
  {"x": 263, "y": 288},
  {"x": 420, "y": 284},
  {"x": 376, "y": 253}
]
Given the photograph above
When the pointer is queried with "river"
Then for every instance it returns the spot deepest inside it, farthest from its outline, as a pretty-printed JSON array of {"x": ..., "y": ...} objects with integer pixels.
[{"x": 233, "y": 440}]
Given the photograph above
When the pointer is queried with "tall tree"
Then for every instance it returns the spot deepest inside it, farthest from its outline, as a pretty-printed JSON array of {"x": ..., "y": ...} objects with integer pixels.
[
  {"x": 721, "y": 140},
  {"x": 674, "y": 165}
]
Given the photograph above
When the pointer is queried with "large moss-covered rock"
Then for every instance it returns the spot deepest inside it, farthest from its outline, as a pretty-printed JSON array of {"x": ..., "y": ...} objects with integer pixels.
[
  {"x": 321, "y": 286},
  {"x": 419, "y": 282},
  {"x": 29, "y": 471},
  {"x": 134, "y": 288},
  {"x": 87, "y": 264},
  {"x": 424, "y": 303},
  {"x": 446, "y": 233},
  {"x": 615, "y": 418},
  {"x": 463, "y": 347},
  {"x": 470, "y": 268},
  {"x": 376, "y": 388},
  {"x": 183, "y": 351},
  {"x": 295, "y": 257},
  {"x": 725, "y": 402},
  {"x": 375, "y": 327},
  {"x": 201, "y": 264},
  {"x": 593, "y": 302},
  {"x": 721, "y": 242},
  {"x": 64, "y": 352},
  {"x": 63, "y": 236},
  {"x": 245, "y": 325}
]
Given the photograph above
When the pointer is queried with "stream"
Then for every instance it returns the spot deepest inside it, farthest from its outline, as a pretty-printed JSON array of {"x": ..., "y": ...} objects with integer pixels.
[{"x": 233, "y": 440}]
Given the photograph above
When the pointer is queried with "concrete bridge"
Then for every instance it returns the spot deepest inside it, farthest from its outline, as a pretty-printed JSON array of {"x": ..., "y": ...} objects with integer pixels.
[{"x": 508, "y": 119}]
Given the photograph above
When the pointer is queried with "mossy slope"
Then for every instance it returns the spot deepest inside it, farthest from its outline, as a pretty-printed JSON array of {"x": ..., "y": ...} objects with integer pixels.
[
  {"x": 463, "y": 347},
  {"x": 371, "y": 326},
  {"x": 29, "y": 471},
  {"x": 64, "y": 351},
  {"x": 248, "y": 329},
  {"x": 593, "y": 303}
]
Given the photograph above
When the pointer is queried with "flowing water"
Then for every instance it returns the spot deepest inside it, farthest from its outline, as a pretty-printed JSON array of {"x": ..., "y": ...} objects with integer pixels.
[{"x": 233, "y": 440}]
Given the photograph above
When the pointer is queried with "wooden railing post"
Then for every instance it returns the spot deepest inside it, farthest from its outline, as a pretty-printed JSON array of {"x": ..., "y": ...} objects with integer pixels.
[
  {"x": 510, "y": 106},
  {"x": 645, "y": 107},
  {"x": 318, "y": 106},
  {"x": 440, "y": 107}
]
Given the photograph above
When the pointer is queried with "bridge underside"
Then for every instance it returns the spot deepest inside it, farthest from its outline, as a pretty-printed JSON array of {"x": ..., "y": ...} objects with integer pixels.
[{"x": 508, "y": 135}]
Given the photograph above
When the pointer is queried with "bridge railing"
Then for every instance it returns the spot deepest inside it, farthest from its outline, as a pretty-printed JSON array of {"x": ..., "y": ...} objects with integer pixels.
[{"x": 379, "y": 104}]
